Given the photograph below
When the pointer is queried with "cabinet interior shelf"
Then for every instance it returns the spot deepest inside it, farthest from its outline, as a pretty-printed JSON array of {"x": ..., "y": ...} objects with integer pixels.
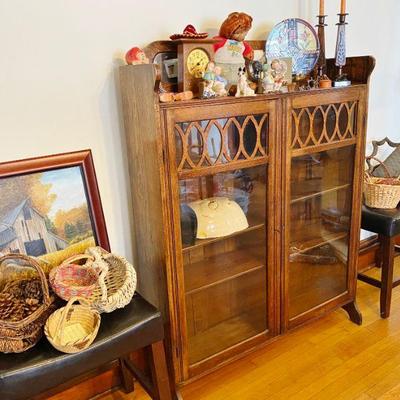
[
  {"x": 233, "y": 331},
  {"x": 204, "y": 242},
  {"x": 319, "y": 193},
  {"x": 221, "y": 268},
  {"x": 316, "y": 237}
]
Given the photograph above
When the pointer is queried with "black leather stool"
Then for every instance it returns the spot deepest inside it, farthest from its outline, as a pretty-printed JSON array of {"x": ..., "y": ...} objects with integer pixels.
[
  {"x": 386, "y": 223},
  {"x": 138, "y": 325}
]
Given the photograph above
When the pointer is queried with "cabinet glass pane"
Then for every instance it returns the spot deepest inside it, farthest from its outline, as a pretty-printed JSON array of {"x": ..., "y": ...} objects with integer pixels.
[
  {"x": 320, "y": 210},
  {"x": 205, "y": 143},
  {"x": 225, "y": 277}
]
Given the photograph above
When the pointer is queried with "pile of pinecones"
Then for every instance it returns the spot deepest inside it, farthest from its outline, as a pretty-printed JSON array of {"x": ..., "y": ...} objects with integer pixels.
[{"x": 19, "y": 299}]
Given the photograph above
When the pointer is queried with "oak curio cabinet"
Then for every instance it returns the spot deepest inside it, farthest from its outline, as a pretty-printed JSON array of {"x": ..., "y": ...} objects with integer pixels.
[{"x": 293, "y": 162}]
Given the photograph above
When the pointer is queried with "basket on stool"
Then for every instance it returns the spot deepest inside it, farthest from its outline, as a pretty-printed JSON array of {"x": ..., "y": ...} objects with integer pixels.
[
  {"x": 70, "y": 279},
  {"x": 28, "y": 304},
  {"x": 381, "y": 192},
  {"x": 74, "y": 327},
  {"x": 117, "y": 281}
]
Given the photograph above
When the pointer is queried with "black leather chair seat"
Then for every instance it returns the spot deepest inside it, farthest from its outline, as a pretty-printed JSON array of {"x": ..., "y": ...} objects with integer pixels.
[
  {"x": 42, "y": 367},
  {"x": 384, "y": 222}
]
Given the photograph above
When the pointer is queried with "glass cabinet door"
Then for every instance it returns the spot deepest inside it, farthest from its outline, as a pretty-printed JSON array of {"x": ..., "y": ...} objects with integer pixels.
[
  {"x": 225, "y": 270},
  {"x": 319, "y": 208},
  {"x": 320, "y": 212},
  {"x": 222, "y": 191}
]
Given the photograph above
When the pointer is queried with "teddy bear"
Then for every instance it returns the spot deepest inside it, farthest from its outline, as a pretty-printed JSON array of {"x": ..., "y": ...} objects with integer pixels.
[{"x": 230, "y": 49}]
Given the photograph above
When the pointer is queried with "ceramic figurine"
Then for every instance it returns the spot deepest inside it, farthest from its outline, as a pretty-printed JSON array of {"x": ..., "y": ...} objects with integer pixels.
[
  {"x": 213, "y": 84},
  {"x": 207, "y": 91},
  {"x": 209, "y": 73},
  {"x": 231, "y": 50},
  {"x": 278, "y": 71},
  {"x": 243, "y": 88},
  {"x": 136, "y": 56},
  {"x": 219, "y": 82},
  {"x": 268, "y": 82}
]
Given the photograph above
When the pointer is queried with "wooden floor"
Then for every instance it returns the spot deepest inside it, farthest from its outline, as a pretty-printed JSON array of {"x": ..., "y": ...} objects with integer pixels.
[{"x": 328, "y": 359}]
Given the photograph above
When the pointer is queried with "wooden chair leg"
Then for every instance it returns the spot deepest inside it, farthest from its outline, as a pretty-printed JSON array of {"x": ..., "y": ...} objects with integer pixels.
[
  {"x": 159, "y": 371},
  {"x": 127, "y": 380},
  {"x": 387, "y": 256},
  {"x": 378, "y": 254}
]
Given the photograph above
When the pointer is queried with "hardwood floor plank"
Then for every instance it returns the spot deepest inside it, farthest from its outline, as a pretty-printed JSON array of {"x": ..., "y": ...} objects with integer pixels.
[{"x": 328, "y": 359}]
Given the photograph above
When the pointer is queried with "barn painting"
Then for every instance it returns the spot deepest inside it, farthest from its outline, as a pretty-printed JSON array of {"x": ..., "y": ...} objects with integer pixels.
[{"x": 41, "y": 213}]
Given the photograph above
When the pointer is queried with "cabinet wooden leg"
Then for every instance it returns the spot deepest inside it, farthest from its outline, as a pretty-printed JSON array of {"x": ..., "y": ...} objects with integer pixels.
[
  {"x": 159, "y": 372},
  {"x": 126, "y": 377},
  {"x": 354, "y": 313},
  {"x": 387, "y": 246}
]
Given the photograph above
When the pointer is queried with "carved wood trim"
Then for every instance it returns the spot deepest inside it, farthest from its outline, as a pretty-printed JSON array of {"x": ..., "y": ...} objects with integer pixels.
[
  {"x": 302, "y": 139},
  {"x": 197, "y": 155}
]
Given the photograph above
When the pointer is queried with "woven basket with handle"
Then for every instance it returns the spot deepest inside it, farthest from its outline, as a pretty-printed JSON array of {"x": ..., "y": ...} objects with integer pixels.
[
  {"x": 117, "y": 281},
  {"x": 20, "y": 335},
  {"x": 71, "y": 279},
  {"x": 74, "y": 327},
  {"x": 381, "y": 192}
]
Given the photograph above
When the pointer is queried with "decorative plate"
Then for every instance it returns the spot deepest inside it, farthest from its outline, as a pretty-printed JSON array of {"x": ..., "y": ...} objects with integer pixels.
[{"x": 294, "y": 38}]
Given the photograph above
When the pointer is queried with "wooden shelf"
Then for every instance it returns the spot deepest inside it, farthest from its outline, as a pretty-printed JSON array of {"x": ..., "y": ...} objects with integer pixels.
[
  {"x": 226, "y": 334},
  {"x": 218, "y": 269},
  {"x": 319, "y": 193},
  {"x": 314, "y": 284},
  {"x": 205, "y": 242},
  {"x": 314, "y": 235}
]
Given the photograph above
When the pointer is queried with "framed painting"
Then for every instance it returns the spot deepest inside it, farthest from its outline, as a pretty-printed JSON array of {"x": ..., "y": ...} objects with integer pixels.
[{"x": 49, "y": 204}]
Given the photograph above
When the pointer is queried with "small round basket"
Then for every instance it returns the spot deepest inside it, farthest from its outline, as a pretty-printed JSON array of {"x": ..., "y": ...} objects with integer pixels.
[
  {"x": 71, "y": 280},
  {"x": 74, "y": 327},
  {"x": 381, "y": 192},
  {"x": 117, "y": 281}
]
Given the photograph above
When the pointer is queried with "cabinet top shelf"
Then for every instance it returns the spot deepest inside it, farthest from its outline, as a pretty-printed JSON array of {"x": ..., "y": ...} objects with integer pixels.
[{"x": 259, "y": 97}]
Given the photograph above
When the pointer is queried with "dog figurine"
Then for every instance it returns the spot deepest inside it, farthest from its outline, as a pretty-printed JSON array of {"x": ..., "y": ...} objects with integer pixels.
[{"x": 243, "y": 88}]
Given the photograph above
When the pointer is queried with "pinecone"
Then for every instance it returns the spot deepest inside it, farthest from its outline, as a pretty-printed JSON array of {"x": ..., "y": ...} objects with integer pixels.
[
  {"x": 16, "y": 288},
  {"x": 11, "y": 308},
  {"x": 30, "y": 306},
  {"x": 33, "y": 290}
]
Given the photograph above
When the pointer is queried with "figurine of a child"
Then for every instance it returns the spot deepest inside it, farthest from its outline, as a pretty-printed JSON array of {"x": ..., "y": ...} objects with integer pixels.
[
  {"x": 219, "y": 82},
  {"x": 278, "y": 71},
  {"x": 209, "y": 78},
  {"x": 214, "y": 83}
]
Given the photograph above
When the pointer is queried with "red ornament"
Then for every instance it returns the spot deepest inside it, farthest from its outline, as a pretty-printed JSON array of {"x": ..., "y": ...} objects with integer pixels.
[{"x": 136, "y": 56}]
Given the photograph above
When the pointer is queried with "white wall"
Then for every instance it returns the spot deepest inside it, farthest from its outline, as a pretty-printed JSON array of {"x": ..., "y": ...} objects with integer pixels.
[
  {"x": 373, "y": 29},
  {"x": 58, "y": 73}
]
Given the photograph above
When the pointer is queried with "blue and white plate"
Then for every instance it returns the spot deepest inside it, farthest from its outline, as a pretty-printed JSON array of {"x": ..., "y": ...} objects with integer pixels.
[{"x": 294, "y": 38}]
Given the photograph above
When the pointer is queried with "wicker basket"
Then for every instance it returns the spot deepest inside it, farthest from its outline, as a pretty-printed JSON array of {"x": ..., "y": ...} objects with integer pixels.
[
  {"x": 74, "y": 327},
  {"x": 381, "y": 192},
  {"x": 117, "y": 281},
  {"x": 71, "y": 280},
  {"x": 18, "y": 336}
]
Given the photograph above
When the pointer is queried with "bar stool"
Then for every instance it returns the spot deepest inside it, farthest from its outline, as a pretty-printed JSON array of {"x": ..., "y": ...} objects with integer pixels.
[
  {"x": 386, "y": 223},
  {"x": 139, "y": 325}
]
